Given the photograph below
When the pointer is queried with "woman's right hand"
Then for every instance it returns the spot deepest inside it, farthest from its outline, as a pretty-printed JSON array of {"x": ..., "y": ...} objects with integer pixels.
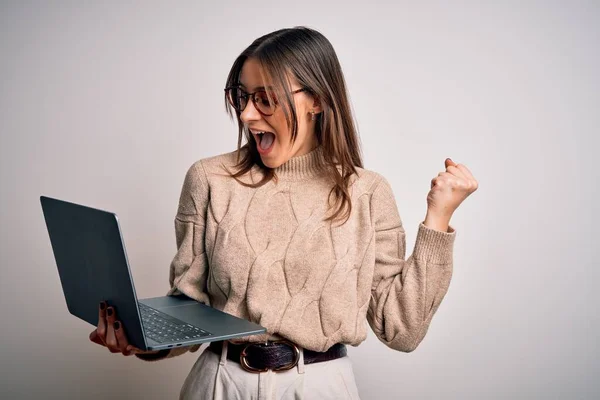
[{"x": 110, "y": 333}]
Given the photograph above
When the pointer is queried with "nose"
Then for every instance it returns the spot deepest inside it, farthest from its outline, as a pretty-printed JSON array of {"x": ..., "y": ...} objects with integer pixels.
[{"x": 250, "y": 113}]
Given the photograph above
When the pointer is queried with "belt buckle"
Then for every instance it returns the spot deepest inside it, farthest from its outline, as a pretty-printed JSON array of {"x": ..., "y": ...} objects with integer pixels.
[{"x": 247, "y": 367}]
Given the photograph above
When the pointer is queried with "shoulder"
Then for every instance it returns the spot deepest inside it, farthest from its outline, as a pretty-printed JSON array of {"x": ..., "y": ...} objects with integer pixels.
[
  {"x": 368, "y": 181},
  {"x": 377, "y": 190},
  {"x": 215, "y": 172},
  {"x": 219, "y": 164},
  {"x": 199, "y": 179},
  {"x": 381, "y": 198},
  {"x": 214, "y": 164}
]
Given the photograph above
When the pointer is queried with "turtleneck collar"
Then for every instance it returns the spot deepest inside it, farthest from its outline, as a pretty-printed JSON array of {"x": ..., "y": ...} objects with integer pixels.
[{"x": 302, "y": 167}]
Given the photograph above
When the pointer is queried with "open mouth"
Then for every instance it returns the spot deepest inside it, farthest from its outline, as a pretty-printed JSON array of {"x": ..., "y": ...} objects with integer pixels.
[{"x": 264, "y": 141}]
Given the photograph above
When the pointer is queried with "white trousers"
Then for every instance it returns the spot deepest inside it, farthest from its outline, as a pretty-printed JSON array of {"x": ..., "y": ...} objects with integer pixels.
[{"x": 217, "y": 378}]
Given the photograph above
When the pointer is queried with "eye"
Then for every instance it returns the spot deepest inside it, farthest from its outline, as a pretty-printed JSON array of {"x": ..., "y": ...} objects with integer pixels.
[{"x": 263, "y": 98}]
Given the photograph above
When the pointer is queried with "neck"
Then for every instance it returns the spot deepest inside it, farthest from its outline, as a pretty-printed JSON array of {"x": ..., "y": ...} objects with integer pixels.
[{"x": 302, "y": 167}]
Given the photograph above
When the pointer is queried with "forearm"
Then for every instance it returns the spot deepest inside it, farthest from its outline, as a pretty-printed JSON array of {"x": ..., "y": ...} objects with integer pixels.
[{"x": 406, "y": 294}]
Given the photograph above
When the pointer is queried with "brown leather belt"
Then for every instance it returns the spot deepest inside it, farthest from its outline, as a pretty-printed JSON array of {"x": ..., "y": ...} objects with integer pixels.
[{"x": 278, "y": 355}]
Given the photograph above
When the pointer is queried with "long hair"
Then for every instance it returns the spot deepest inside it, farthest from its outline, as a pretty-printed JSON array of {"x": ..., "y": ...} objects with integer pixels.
[{"x": 310, "y": 58}]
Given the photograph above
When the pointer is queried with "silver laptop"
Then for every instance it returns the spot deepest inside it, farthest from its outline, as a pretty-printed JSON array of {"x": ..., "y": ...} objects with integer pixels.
[{"x": 92, "y": 264}]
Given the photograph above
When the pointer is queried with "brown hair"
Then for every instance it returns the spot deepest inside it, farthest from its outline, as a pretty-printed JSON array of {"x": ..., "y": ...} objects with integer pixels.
[{"x": 310, "y": 58}]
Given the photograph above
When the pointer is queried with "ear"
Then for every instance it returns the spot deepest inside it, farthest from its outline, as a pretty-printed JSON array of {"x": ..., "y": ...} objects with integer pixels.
[{"x": 316, "y": 105}]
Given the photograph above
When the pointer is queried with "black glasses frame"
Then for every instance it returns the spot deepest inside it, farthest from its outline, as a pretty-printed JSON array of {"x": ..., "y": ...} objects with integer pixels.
[{"x": 253, "y": 97}]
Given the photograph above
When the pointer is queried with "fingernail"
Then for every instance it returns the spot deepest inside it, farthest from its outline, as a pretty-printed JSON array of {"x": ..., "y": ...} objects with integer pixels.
[
  {"x": 109, "y": 311},
  {"x": 102, "y": 305},
  {"x": 117, "y": 325}
]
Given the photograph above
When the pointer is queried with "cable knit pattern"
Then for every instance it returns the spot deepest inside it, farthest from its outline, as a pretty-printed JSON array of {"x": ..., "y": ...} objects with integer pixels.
[{"x": 268, "y": 256}]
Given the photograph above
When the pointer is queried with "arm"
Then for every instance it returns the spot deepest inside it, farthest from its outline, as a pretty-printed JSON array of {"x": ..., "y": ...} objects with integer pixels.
[
  {"x": 405, "y": 294},
  {"x": 189, "y": 268}
]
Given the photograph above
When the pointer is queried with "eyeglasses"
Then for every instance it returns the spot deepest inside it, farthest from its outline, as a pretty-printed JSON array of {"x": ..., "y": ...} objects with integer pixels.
[{"x": 238, "y": 99}]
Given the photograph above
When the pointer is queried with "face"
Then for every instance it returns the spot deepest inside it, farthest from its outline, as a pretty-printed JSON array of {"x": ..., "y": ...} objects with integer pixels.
[{"x": 281, "y": 150}]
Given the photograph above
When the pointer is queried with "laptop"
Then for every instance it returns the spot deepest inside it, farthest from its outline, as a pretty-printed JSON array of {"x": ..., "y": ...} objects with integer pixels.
[{"x": 92, "y": 264}]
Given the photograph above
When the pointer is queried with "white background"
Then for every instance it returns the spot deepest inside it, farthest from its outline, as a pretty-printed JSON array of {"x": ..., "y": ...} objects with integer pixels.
[{"x": 108, "y": 104}]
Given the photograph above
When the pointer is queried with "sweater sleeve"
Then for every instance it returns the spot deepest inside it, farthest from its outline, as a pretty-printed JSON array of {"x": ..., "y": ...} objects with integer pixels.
[
  {"x": 189, "y": 268},
  {"x": 405, "y": 294}
]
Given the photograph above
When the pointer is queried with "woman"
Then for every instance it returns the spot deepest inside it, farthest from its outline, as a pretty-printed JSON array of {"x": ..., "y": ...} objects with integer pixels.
[{"x": 291, "y": 232}]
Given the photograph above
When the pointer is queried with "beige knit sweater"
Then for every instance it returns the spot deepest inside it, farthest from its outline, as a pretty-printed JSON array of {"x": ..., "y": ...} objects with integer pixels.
[{"x": 267, "y": 256}]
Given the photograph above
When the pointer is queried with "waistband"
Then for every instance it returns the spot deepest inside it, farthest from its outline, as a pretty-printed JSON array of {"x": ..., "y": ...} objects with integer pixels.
[{"x": 274, "y": 355}]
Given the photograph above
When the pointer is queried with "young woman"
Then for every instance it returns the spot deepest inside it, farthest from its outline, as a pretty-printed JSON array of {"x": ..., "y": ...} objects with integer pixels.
[{"x": 291, "y": 232}]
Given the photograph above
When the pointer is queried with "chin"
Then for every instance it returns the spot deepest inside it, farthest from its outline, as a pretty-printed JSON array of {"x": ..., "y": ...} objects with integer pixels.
[{"x": 270, "y": 163}]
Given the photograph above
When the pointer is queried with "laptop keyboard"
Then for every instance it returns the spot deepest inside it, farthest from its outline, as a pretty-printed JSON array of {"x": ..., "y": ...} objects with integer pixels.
[{"x": 163, "y": 328}]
